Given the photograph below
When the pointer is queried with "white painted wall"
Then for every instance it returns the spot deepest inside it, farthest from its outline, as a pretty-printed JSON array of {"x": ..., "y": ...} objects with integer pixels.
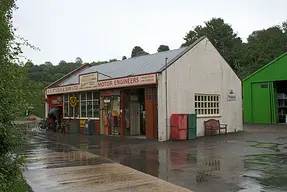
[{"x": 200, "y": 70}]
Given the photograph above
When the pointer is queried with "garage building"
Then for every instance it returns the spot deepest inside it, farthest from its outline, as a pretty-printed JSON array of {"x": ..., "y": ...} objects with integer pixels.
[
  {"x": 137, "y": 96},
  {"x": 265, "y": 93}
]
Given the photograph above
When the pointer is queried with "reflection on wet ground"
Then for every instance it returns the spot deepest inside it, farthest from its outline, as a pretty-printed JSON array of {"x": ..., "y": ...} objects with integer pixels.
[
  {"x": 54, "y": 166},
  {"x": 255, "y": 160}
]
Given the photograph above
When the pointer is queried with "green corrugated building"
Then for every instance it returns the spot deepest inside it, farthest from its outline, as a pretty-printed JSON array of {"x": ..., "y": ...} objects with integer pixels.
[{"x": 265, "y": 93}]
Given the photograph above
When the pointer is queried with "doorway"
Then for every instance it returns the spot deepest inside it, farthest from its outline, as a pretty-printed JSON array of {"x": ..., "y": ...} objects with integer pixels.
[
  {"x": 134, "y": 110},
  {"x": 281, "y": 101}
]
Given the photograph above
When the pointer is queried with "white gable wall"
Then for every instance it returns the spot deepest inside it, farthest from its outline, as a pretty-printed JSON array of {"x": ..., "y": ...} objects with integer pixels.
[{"x": 200, "y": 70}]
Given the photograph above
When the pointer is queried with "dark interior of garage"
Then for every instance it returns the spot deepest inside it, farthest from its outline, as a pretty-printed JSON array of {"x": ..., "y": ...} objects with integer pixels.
[{"x": 281, "y": 89}]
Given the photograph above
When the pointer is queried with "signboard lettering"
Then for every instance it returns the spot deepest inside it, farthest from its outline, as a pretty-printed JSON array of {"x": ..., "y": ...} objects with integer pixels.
[{"x": 90, "y": 82}]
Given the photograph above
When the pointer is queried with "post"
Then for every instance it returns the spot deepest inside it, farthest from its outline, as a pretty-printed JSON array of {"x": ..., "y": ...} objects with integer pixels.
[{"x": 166, "y": 103}]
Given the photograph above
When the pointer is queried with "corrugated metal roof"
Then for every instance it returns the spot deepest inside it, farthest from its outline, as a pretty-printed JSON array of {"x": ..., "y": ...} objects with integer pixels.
[{"x": 134, "y": 66}]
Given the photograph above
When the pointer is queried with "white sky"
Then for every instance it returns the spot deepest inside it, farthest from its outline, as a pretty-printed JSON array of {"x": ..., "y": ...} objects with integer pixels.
[{"x": 106, "y": 29}]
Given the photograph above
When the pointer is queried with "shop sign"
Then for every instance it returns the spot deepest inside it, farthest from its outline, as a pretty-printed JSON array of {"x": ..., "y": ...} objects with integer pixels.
[
  {"x": 55, "y": 102},
  {"x": 66, "y": 89},
  {"x": 128, "y": 81},
  {"x": 231, "y": 95},
  {"x": 82, "y": 123},
  {"x": 88, "y": 81},
  {"x": 107, "y": 100},
  {"x": 73, "y": 101},
  {"x": 60, "y": 99}
]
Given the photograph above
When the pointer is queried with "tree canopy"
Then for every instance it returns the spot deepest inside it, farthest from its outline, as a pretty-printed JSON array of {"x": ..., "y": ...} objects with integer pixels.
[
  {"x": 138, "y": 51},
  {"x": 162, "y": 48}
]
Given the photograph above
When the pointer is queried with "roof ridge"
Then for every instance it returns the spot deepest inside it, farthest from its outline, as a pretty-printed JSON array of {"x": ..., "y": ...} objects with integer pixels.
[{"x": 265, "y": 66}]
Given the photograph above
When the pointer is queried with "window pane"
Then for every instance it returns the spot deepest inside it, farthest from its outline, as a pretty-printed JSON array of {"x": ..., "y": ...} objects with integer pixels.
[
  {"x": 83, "y": 109},
  {"x": 217, "y": 111},
  {"x": 89, "y": 95},
  {"x": 70, "y": 111},
  {"x": 66, "y": 97},
  {"x": 96, "y": 108},
  {"x": 76, "y": 111},
  {"x": 89, "y": 109},
  {"x": 83, "y": 96},
  {"x": 195, "y": 98},
  {"x": 96, "y": 95},
  {"x": 66, "y": 109},
  {"x": 195, "y": 104}
]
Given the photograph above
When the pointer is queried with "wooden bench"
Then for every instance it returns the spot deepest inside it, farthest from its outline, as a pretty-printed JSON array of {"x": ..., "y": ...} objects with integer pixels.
[{"x": 212, "y": 125}]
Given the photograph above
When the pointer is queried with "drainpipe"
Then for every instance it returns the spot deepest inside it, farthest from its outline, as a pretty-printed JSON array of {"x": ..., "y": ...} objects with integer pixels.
[{"x": 166, "y": 113}]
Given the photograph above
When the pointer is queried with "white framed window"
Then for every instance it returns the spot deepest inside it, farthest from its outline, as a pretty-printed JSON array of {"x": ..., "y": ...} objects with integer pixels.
[
  {"x": 207, "y": 104},
  {"x": 90, "y": 104},
  {"x": 70, "y": 111}
]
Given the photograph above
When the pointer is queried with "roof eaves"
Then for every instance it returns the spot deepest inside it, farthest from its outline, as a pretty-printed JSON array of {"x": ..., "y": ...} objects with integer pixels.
[
  {"x": 181, "y": 54},
  {"x": 265, "y": 66},
  {"x": 67, "y": 75}
]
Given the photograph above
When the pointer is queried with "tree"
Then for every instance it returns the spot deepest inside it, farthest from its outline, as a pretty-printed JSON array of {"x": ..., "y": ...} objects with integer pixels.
[
  {"x": 48, "y": 64},
  {"x": 79, "y": 60},
  {"x": 138, "y": 51},
  {"x": 220, "y": 34},
  {"x": 262, "y": 47},
  {"x": 163, "y": 48},
  {"x": 62, "y": 62},
  {"x": 98, "y": 63},
  {"x": 12, "y": 102},
  {"x": 284, "y": 27},
  {"x": 112, "y": 60},
  {"x": 124, "y": 57}
]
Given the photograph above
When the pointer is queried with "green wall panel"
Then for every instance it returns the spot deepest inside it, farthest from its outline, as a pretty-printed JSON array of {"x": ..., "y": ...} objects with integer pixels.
[
  {"x": 261, "y": 106},
  {"x": 274, "y": 71}
]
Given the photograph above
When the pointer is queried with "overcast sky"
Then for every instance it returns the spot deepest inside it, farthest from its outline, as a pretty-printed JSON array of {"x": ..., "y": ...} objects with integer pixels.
[{"x": 105, "y": 29}]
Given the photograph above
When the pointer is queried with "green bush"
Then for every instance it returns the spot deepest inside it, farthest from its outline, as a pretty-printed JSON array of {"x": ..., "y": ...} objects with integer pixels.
[{"x": 12, "y": 103}]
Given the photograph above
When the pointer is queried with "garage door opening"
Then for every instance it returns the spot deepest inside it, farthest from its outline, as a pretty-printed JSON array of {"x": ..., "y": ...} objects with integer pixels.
[{"x": 281, "y": 89}]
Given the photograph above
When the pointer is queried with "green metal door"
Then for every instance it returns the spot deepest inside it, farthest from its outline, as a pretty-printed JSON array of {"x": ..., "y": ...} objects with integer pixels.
[
  {"x": 191, "y": 126},
  {"x": 261, "y": 103}
]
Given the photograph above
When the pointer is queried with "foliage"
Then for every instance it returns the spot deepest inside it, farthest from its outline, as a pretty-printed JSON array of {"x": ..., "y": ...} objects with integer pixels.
[
  {"x": 220, "y": 34},
  {"x": 138, "y": 51},
  {"x": 79, "y": 60},
  {"x": 244, "y": 58},
  {"x": 12, "y": 101},
  {"x": 163, "y": 48},
  {"x": 124, "y": 57}
]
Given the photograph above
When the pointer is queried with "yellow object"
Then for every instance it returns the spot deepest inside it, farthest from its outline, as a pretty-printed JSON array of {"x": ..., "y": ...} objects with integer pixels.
[
  {"x": 115, "y": 113},
  {"x": 73, "y": 101},
  {"x": 83, "y": 123}
]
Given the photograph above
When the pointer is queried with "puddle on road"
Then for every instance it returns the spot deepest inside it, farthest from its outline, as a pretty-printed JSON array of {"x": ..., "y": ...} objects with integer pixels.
[
  {"x": 268, "y": 170},
  {"x": 265, "y": 145}
]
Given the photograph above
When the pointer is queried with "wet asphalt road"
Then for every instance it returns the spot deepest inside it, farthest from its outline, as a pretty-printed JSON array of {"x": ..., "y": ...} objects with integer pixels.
[
  {"x": 254, "y": 160},
  {"x": 54, "y": 166}
]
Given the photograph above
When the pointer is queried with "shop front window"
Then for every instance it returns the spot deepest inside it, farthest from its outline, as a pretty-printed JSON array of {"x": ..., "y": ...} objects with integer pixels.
[
  {"x": 90, "y": 104},
  {"x": 71, "y": 105},
  {"x": 207, "y": 104}
]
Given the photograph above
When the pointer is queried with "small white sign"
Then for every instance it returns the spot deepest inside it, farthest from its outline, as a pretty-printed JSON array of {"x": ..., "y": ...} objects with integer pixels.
[
  {"x": 89, "y": 80},
  {"x": 231, "y": 96}
]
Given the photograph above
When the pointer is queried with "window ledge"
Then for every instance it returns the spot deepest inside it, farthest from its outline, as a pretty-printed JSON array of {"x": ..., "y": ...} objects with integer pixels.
[{"x": 208, "y": 116}]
